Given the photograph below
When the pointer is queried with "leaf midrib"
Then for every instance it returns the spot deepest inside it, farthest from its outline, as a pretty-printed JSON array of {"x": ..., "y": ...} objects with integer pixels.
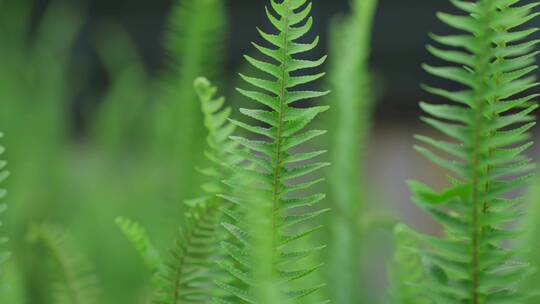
[{"x": 277, "y": 168}]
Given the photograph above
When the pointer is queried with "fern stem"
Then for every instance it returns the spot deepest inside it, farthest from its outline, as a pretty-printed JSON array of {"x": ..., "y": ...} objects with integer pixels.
[
  {"x": 282, "y": 106},
  {"x": 481, "y": 73}
]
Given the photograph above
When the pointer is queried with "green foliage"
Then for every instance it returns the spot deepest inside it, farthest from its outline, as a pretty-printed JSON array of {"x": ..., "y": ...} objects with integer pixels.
[
  {"x": 194, "y": 45},
  {"x": 190, "y": 276},
  {"x": 487, "y": 126},
  {"x": 272, "y": 209},
  {"x": 3, "y": 175},
  {"x": 35, "y": 91},
  {"x": 120, "y": 123},
  {"x": 533, "y": 235},
  {"x": 140, "y": 240},
  {"x": 74, "y": 281},
  {"x": 353, "y": 99}
]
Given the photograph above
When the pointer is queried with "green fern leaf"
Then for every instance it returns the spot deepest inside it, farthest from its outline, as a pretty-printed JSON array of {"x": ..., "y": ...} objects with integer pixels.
[
  {"x": 268, "y": 193},
  {"x": 486, "y": 127},
  {"x": 190, "y": 276},
  {"x": 74, "y": 281}
]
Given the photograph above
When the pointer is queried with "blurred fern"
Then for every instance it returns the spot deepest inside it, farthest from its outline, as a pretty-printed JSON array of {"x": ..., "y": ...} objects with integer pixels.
[
  {"x": 190, "y": 274},
  {"x": 533, "y": 234},
  {"x": 407, "y": 270},
  {"x": 120, "y": 123},
  {"x": 271, "y": 205},
  {"x": 194, "y": 44},
  {"x": 74, "y": 281},
  {"x": 35, "y": 91},
  {"x": 354, "y": 99},
  {"x": 3, "y": 255},
  {"x": 488, "y": 127}
]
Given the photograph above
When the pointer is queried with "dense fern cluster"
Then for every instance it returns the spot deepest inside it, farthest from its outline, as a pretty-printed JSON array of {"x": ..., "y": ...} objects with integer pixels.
[
  {"x": 250, "y": 237},
  {"x": 487, "y": 134}
]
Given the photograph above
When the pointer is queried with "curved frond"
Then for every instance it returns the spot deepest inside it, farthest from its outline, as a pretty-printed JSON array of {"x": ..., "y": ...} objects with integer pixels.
[
  {"x": 273, "y": 211},
  {"x": 486, "y": 129}
]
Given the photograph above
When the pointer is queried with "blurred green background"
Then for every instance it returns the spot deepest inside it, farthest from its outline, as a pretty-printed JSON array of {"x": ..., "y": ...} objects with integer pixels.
[{"x": 88, "y": 93}]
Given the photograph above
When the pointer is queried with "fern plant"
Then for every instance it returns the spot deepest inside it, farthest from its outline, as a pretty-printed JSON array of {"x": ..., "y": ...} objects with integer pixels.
[
  {"x": 354, "y": 100},
  {"x": 74, "y": 281},
  {"x": 271, "y": 187},
  {"x": 487, "y": 128},
  {"x": 194, "y": 46},
  {"x": 189, "y": 277}
]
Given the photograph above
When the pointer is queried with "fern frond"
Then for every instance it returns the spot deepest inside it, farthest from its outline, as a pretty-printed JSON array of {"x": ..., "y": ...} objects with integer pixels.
[
  {"x": 278, "y": 174},
  {"x": 354, "y": 102},
  {"x": 194, "y": 45},
  {"x": 190, "y": 276},
  {"x": 75, "y": 282},
  {"x": 487, "y": 131},
  {"x": 141, "y": 241}
]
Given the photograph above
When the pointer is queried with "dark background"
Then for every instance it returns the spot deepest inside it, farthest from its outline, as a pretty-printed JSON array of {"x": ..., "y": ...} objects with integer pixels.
[{"x": 398, "y": 44}]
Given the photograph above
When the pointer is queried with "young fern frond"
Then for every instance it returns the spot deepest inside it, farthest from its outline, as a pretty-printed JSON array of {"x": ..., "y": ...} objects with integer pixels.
[
  {"x": 190, "y": 276},
  {"x": 487, "y": 126},
  {"x": 272, "y": 179},
  {"x": 354, "y": 102},
  {"x": 75, "y": 282}
]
